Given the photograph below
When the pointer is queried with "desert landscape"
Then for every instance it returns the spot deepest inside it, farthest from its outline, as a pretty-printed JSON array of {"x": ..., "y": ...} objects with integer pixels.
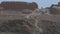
[{"x": 20, "y": 19}]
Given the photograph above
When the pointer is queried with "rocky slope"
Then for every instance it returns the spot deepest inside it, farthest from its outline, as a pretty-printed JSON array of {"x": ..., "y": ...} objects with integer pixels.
[{"x": 33, "y": 23}]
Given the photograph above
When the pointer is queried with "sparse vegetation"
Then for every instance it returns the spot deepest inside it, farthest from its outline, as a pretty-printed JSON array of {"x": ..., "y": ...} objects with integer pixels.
[{"x": 34, "y": 24}]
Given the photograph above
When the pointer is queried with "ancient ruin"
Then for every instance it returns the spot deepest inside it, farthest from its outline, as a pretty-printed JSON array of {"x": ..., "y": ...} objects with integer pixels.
[
  {"x": 55, "y": 8},
  {"x": 18, "y": 5}
]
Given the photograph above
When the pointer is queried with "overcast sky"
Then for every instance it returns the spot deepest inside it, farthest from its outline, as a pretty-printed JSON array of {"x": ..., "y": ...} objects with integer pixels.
[{"x": 41, "y": 3}]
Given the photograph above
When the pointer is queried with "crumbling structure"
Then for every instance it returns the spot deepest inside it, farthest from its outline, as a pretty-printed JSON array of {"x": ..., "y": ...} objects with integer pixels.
[
  {"x": 11, "y": 5},
  {"x": 55, "y": 8}
]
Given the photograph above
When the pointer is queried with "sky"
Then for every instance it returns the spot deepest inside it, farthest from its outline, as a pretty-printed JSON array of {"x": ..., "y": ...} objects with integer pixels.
[{"x": 41, "y": 3}]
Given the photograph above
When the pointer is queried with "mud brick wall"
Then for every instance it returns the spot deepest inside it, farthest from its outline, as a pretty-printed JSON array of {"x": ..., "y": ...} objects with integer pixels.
[
  {"x": 54, "y": 11},
  {"x": 19, "y": 5}
]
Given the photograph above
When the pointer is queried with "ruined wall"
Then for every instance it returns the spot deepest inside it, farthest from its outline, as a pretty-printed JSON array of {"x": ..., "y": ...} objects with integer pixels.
[
  {"x": 55, "y": 9},
  {"x": 19, "y": 5}
]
